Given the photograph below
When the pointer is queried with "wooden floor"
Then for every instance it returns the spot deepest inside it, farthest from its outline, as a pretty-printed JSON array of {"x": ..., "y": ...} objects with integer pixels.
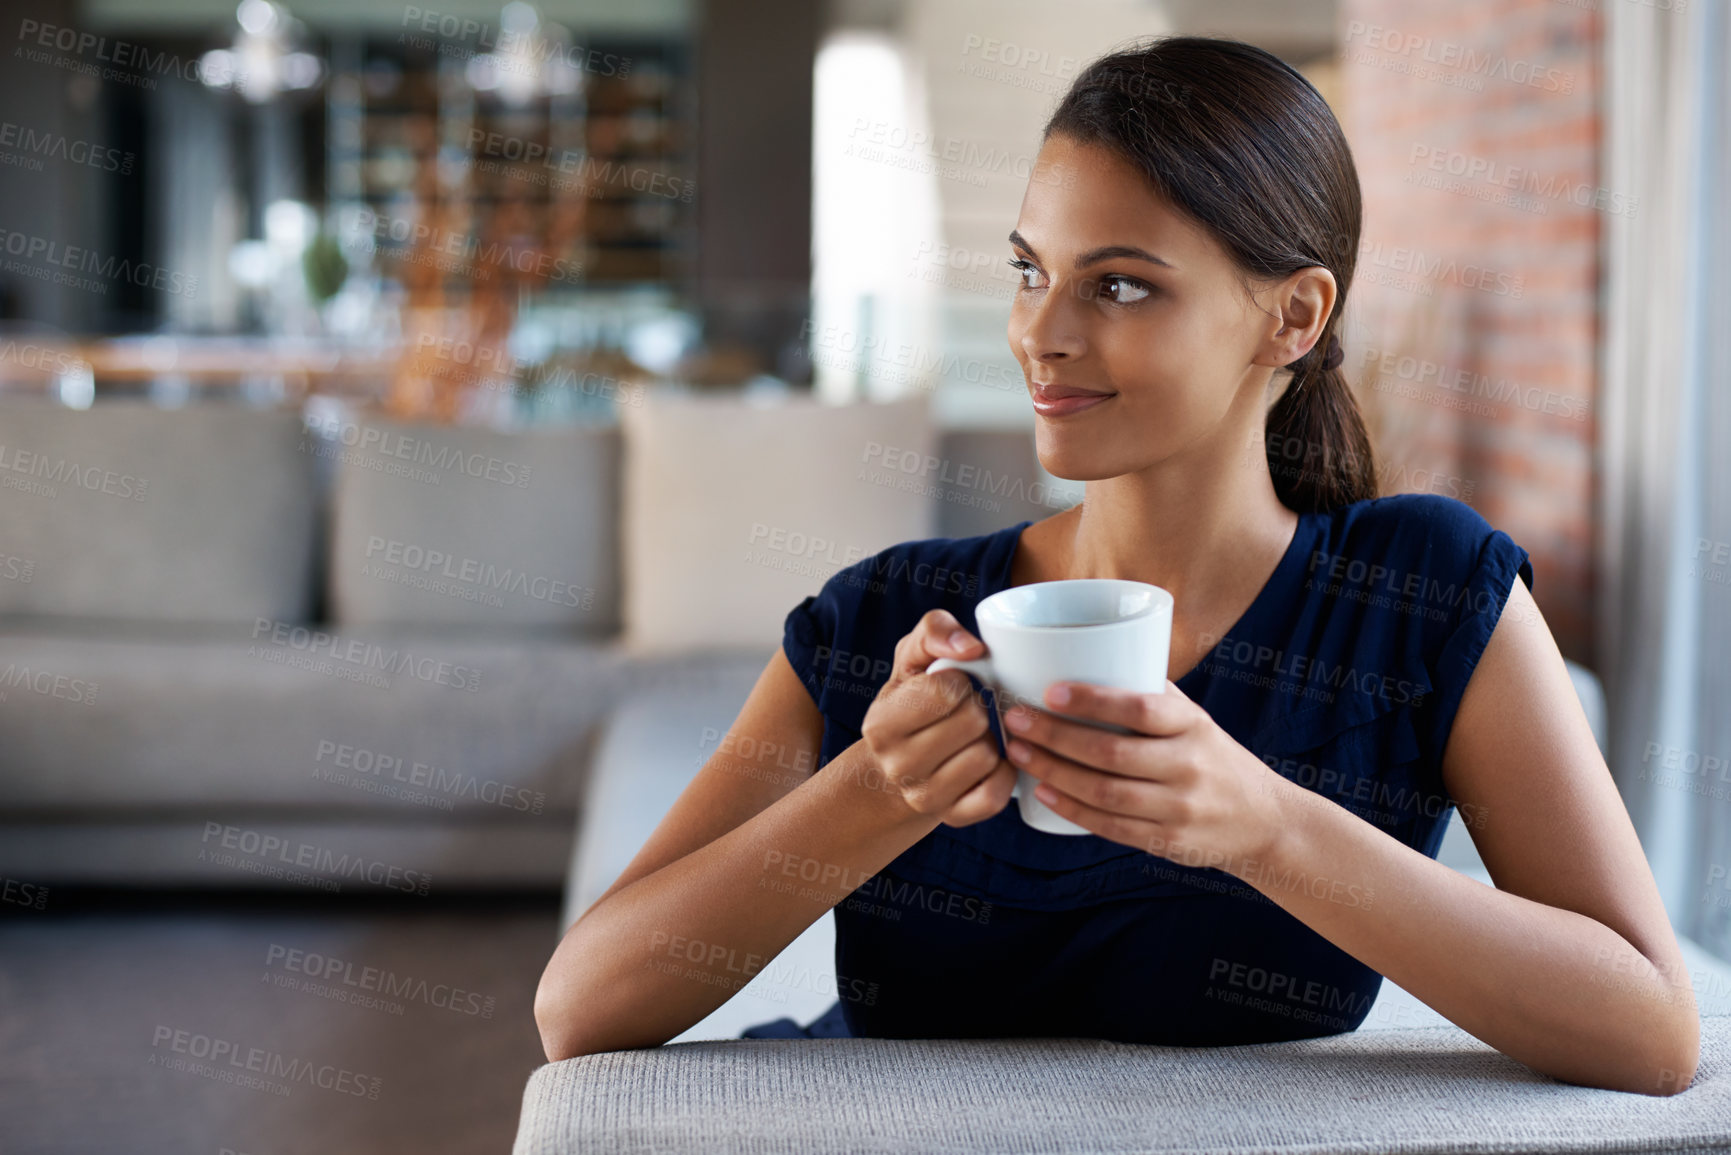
[{"x": 199, "y": 1026}]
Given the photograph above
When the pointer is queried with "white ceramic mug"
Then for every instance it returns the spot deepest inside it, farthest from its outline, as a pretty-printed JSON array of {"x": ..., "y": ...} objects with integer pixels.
[{"x": 1101, "y": 631}]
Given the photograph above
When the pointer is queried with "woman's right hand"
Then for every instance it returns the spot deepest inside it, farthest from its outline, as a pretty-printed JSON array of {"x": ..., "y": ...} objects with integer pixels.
[{"x": 930, "y": 733}]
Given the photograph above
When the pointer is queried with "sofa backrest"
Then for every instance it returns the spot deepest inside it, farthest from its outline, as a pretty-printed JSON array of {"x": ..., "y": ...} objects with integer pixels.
[
  {"x": 129, "y": 511},
  {"x": 468, "y": 526},
  {"x": 217, "y": 512}
]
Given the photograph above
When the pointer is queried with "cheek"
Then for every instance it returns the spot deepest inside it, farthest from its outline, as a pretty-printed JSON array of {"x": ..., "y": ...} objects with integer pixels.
[
  {"x": 1149, "y": 349},
  {"x": 1167, "y": 371},
  {"x": 1175, "y": 348},
  {"x": 1013, "y": 333}
]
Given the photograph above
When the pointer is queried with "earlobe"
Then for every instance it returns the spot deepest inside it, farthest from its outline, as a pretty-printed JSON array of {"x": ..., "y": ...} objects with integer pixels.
[
  {"x": 1290, "y": 353},
  {"x": 1307, "y": 305}
]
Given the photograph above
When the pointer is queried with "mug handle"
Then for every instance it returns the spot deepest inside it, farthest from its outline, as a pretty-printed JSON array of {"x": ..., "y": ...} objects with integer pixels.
[
  {"x": 1034, "y": 812},
  {"x": 980, "y": 668}
]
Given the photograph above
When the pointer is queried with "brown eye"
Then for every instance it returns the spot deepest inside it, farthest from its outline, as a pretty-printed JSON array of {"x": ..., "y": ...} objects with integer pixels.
[
  {"x": 1123, "y": 290},
  {"x": 1031, "y": 276}
]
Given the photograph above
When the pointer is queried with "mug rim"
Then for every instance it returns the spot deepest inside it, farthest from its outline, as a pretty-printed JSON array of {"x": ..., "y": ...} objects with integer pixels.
[{"x": 1162, "y": 600}]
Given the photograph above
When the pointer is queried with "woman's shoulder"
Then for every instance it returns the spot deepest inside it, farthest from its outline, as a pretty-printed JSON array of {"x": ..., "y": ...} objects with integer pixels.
[
  {"x": 937, "y": 570},
  {"x": 854, "y": 620},
  {"x": 1430, "y": 525},
  {"x": 1421, "y": 554},
  {"x": 1416, "y": 547},
  {"x": 1408, "y": 587}
]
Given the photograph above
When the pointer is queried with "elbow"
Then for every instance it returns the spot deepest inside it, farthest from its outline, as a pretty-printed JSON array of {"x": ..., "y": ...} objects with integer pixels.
[
  {"x": 590, "y": 1001},
  {"x": 1671, "y": 1081},
  {"x": 550, "y": 1022},
  {"x": 1668, "y": 1080},
  {"x": 1661, "y": 1063},
  {"x": 561, "y": 1028},
  {"x": 559, "y": 1017},
  {"x": 564, "y": 1010},
  {"x": 559, "y": 1045},
  {"x": 1676, "y": 1069},
  {"x": 574, "y": 1022},
  {"x": 1667, "y": 1060}
]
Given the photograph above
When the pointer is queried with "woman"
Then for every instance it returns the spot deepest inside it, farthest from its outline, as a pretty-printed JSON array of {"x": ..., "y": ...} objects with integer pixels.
[{"x": 1345, "y": 670}]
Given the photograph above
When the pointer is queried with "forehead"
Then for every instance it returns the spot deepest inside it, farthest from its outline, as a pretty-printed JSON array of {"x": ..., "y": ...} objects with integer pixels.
[{"x": 1084, "y": 196}]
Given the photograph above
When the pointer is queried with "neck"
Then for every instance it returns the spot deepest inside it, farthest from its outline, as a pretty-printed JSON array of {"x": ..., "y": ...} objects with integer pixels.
[{"x": 1203, "y": 525}]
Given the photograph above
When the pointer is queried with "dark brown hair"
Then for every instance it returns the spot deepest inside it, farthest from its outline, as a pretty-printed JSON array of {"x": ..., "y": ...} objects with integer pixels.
[{"x": 1234, "y": 138}]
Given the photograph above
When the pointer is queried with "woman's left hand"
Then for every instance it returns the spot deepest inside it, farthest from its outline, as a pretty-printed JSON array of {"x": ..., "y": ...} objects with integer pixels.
[{"x": 1178, "y": 786}]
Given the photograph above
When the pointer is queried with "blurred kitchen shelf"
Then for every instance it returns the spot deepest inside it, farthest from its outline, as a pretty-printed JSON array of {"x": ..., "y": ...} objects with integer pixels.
[{"x": 598, "y": 178}]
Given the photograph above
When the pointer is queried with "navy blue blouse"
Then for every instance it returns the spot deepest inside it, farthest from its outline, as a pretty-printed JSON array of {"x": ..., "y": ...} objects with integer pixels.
[{"x": 1343, "y": 675}]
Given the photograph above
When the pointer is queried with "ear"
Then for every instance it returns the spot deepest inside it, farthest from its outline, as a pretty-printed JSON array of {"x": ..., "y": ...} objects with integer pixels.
[{"x": 1299, "y": 307}]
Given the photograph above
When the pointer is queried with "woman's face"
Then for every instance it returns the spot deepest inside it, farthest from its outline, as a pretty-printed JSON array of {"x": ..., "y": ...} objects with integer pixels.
[{"x": 1123, "y": 296}]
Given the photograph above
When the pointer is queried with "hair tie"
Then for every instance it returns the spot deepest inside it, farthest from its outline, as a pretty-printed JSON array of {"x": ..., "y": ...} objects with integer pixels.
[{"x": 1334, "y": 356}]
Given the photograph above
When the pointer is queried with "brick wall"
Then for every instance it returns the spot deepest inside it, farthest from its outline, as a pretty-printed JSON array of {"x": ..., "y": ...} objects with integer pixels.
[{"x": 1472, "y": 321}]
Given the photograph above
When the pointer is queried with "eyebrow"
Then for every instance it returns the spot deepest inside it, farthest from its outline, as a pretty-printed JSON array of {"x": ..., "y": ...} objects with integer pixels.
[{"x": 1103, "y": 253}]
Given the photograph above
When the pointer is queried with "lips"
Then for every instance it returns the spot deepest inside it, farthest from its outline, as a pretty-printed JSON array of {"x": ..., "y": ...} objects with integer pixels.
[{"x": 1057, "y": 400}]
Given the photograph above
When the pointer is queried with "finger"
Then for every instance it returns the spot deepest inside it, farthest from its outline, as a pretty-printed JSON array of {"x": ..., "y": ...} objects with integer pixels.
[
  {"x": 938, "y": 635},
  {"x": 1157, "y": 715},
  {"x": 1113, "y": 793},
  {"x": 934, "y": 741},
  {"x": 1128, "y": 831},
  {"x": 962, "y": 771},
  {"x": 985, "y": 798},
  {"x": 905, "y": 707},
  {"x": 929, "y": 697},
  {"x": 1137, "y": 755}
]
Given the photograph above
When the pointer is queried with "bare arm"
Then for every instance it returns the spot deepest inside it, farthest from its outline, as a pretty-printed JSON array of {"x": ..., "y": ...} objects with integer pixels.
[
  {"x": 1569, "y": 965},
  {"x": 706, "y": 904}
]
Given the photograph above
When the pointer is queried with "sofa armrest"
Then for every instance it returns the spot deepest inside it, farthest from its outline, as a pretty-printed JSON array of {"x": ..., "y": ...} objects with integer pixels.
[
  {"x": 1426, "y": 1090},
  {"x": 651, "y": 747}
]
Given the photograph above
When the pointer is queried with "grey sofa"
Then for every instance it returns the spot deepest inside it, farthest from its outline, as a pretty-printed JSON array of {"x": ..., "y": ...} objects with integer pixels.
[
  {"x": 1407, "y": 1080},
  {"x": 1412, "y": 1091},
  {"x": 245, "y": 648}
]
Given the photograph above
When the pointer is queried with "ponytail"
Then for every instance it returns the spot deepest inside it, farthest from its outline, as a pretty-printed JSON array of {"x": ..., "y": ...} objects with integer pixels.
[{"x": 1319, "y": 454}]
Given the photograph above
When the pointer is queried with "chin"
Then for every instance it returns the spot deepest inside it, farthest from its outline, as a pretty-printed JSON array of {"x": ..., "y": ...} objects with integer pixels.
[{"x": 1071, "y": 459}]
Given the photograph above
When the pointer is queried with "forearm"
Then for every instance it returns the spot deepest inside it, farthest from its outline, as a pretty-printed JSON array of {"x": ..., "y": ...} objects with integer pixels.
[
  {"x": 1554, "y": 989},
  {"x": 659, "y": 955}
]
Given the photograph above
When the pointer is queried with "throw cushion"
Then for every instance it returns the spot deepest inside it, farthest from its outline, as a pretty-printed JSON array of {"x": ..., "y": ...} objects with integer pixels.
[{"x": 735, "y": 509}]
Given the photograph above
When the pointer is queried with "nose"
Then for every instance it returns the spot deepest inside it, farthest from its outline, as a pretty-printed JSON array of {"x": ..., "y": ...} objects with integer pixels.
[{"x": 1051, "y": 331}]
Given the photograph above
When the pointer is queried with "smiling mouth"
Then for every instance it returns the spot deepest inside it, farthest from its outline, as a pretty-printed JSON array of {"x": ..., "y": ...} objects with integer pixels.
[{"x": 1062, "y": 400}]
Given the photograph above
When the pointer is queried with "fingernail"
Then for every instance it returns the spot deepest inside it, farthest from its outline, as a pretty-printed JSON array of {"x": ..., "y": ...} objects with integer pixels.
[
  {"x": 1059, "y": 694},
  {"x": 1018, "y": 719},
  {"x": 1018, "y": 751},
  {"x": 958, "y": 639}
]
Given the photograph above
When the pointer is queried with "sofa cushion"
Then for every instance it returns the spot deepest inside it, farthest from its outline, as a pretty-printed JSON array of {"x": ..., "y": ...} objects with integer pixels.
[
  {"x": 310, "y": 854},
  {"x": 128, "y": 511},
  {"x": 463, "y": 525},
  {"x": 735, "y": 510},
  {"x": 378, "y": 721},
  {"x": 1426, "y": 1090}
]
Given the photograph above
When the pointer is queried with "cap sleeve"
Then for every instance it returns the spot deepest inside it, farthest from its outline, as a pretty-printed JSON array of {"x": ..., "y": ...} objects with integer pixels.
[
  {"x": 1479, "y": 608},
  {"x": 809, "y": 626}
]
